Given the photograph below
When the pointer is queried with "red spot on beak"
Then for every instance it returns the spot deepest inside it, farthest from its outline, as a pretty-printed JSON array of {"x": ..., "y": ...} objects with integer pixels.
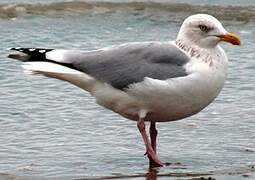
[{"x": 231, "y": 38}]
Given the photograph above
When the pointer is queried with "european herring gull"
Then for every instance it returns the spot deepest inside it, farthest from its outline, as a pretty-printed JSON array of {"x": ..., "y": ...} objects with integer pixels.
[{"x": 145, "y": 81}]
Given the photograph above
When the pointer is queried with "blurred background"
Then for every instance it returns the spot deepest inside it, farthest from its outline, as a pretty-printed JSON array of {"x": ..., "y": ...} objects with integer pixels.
[{"x": 51, "y": 129}]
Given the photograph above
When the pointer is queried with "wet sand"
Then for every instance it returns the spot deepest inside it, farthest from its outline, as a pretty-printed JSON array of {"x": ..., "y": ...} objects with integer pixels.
[
  {"x": 247, "y": 172},
  {"x": 239, "y": 173}
]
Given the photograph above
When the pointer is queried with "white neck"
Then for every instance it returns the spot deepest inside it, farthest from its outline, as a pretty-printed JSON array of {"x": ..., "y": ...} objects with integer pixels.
[
  {"x": 192, "y": 51},
  {"x": 213, "y": 57}
]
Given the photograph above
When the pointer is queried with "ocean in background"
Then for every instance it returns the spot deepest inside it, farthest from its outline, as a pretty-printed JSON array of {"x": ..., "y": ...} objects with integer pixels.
[{"x": 51, "y": 129}]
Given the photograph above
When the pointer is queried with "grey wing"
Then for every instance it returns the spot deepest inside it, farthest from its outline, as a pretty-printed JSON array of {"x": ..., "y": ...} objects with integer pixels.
[
  {"x": 119, "y": 66},
  {"x": 128, "y": 64}
]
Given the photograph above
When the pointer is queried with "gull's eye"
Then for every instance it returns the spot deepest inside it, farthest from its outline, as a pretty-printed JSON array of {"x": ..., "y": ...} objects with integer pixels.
[{"x": 204, "y": 28}]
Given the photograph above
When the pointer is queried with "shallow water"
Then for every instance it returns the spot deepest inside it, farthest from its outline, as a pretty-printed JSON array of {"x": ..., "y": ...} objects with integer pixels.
[
  {"x": 49, "y": 128},
  {"x": 158, "y": 9}
]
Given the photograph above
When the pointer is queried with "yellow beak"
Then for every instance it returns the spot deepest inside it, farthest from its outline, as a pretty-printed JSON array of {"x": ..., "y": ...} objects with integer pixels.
[{"x": 231, "y": 38}]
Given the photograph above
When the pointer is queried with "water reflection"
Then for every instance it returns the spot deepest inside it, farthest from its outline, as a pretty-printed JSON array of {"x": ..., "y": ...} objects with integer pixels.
[{"x": 152, "y": 174}]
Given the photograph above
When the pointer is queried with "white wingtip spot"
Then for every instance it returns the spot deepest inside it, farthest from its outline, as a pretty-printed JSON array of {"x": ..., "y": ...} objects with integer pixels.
[
  {"x": 31, "y": 49},
  {"x": 42, "y": 51}
]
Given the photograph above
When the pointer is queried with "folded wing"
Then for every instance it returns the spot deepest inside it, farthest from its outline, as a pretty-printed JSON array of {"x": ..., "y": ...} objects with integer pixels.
[{"x": 118, "y": 66}]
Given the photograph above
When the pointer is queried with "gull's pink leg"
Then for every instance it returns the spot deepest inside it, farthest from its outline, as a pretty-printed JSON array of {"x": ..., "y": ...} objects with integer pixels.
[
  {"x": 153, "y": 136},
  {"x": 154, "y": 160}
]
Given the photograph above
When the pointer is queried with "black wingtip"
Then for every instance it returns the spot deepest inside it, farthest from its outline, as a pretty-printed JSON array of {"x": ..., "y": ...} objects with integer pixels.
[
  {"x": 32, "y": 51},
  {"x": 17, "y": 49},
  {"x": 13, "y": 49},
  {"x": 29, "y": 54},
  {"x": 19, "y": 56}
]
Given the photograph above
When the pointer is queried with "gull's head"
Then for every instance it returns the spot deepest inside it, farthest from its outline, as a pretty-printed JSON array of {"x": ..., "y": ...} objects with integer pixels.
[{"x": 205, "y": 31}]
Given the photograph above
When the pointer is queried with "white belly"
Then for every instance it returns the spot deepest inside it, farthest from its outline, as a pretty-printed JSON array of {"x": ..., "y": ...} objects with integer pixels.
[
  {"x": 168, "y": 100},
  {"x": 180, "y": 97}
]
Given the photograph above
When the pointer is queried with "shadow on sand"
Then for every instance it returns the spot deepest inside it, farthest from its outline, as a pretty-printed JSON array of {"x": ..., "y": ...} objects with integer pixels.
[{"x": 154, "y": 174}]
